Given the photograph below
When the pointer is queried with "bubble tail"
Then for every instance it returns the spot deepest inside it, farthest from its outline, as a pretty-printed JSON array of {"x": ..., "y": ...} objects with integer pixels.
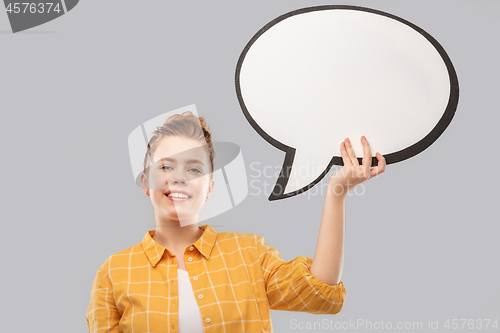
[
  {"x": 291, "y": 181},
  {"x": 282, "y": 181}
]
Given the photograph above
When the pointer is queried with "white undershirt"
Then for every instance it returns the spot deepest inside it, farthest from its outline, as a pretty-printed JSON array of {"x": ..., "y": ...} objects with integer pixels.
[{"x": 189, "y": 312}]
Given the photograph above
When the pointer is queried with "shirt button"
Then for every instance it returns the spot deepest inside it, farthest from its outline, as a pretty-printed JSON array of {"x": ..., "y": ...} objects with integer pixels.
[
  {"x": 195, "y": 278},
  {"x": 207, "y": 319},
  {"x": 200, "y": 296},
  {"x": 190, "y": 259},
  {"x": 191, "y": 248}
]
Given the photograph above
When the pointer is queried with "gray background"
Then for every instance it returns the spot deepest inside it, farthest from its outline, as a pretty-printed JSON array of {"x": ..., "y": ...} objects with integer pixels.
[{"x": 421, "y": 242}]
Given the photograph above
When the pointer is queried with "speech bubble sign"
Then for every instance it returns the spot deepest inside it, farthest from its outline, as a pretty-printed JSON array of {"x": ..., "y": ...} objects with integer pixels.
[
  {"x": 24, "y": 15},
  {"x": 314, "y": 76}
]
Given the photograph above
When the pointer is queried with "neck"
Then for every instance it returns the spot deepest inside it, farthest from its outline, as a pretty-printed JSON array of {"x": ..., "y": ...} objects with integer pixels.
[{"x": 176, "y": 237}]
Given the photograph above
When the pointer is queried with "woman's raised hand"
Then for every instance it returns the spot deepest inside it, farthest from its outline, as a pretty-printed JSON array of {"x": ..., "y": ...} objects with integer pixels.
[{"x": 353, "y": 174}]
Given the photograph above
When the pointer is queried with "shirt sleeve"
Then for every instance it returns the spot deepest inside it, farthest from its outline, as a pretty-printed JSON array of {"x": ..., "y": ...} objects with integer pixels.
[
  {"x": 102, "y": 314},
  {"x": 290, "y": 286}
]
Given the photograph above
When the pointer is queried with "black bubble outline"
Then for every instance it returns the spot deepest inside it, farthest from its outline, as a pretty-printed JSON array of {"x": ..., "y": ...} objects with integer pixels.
[{"x": 391, "y": 158}]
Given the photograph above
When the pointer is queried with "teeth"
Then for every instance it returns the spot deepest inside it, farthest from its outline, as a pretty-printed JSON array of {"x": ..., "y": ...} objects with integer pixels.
[{"x": 178, "y": 195}]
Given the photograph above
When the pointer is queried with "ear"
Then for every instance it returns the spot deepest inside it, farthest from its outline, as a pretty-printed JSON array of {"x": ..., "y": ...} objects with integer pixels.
[
  {"x": 144, "y": 182},
  {"x": 210, "y": 188}
]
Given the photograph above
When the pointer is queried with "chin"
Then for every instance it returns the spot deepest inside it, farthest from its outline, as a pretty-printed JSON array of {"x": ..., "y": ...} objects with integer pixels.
[{"x": 181, "y": 214}]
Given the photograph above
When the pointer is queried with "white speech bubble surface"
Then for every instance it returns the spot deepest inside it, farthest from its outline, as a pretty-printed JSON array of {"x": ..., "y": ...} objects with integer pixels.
[{"x": 314, "y": 76}]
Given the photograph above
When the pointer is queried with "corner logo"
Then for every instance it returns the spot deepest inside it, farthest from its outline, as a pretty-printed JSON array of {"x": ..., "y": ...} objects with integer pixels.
[{"x": 28, "y": 14}]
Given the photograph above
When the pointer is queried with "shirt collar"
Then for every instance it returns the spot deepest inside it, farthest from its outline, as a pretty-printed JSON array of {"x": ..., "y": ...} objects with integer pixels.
[{"x": 155, "y": 251}]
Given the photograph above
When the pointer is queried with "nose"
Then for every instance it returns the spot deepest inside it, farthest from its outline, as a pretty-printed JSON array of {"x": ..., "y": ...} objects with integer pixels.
[{"x": 177, "y": 177}]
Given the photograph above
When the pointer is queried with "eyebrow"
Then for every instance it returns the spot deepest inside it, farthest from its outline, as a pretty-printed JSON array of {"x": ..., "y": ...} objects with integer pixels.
[{"x": 170, "y": 159}]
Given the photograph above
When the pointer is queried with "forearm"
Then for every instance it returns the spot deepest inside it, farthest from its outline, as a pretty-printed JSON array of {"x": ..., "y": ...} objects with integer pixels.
[{"x": 329, "y": 256}]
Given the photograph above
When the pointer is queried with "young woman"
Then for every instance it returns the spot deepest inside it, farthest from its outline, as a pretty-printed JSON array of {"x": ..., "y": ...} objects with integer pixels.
[{"x": 183, "y": 277}]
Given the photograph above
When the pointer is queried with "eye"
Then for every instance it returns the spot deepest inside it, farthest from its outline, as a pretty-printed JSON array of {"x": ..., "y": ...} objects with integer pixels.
[
  {"x": 164, "y": 167},
  {"x": 196, "y": 170}
]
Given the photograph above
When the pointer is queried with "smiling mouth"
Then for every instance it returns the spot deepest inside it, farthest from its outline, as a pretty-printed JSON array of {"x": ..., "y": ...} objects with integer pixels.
[{"x": 178, "y": 196}]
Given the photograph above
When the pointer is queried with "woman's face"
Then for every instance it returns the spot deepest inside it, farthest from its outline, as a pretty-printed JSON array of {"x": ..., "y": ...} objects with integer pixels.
[{"x": 182, "y": 166}]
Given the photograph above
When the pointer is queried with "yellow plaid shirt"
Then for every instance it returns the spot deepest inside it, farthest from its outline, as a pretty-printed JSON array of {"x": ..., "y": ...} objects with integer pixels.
[{"x": 237, "y": 279}]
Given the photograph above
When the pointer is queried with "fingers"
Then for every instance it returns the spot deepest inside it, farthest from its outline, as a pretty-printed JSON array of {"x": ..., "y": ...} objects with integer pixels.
[
  {"x": 350, "y": 158},
  {"x": 380, "y": 167},
  {"x": 350, "y": 152},
  {"x": 345, "y": 157},
  {"x": 367, "y": 154}
]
